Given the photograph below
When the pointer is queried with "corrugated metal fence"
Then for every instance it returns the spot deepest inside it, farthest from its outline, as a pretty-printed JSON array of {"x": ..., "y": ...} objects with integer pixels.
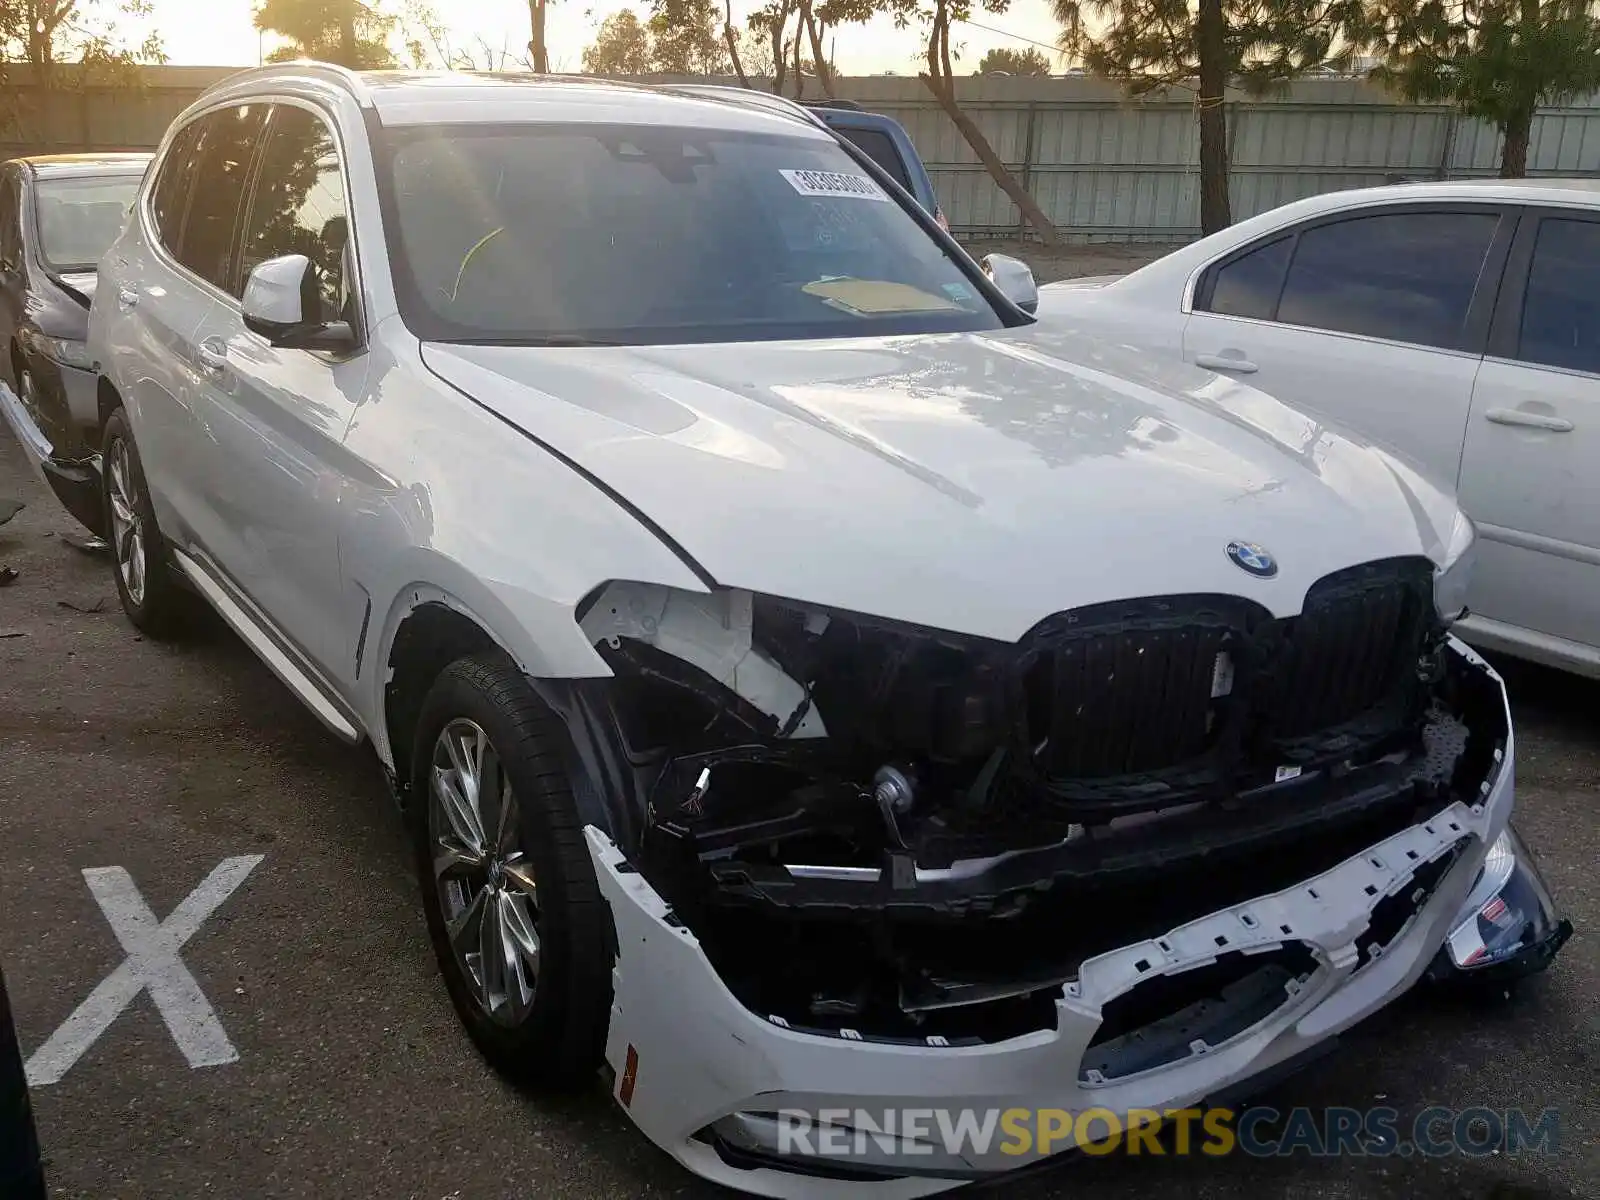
[{"x": 1104, "y": 168}]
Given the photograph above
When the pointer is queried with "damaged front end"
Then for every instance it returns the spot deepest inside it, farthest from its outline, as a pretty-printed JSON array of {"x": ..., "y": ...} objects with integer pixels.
[{"x": 906, "y": 834}]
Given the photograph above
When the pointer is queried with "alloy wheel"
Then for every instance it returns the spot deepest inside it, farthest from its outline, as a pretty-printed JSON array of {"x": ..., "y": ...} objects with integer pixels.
[
  {"x": 127, "y": 525},
  {"x": 487, "y": 892}
]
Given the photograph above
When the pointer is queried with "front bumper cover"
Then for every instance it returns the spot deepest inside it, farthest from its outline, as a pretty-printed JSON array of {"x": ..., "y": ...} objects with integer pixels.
[{"x": 687, "y": 1055}]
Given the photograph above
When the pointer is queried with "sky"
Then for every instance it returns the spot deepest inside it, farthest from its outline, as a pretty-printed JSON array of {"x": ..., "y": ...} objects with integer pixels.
[{"x": 221, "y": 33}]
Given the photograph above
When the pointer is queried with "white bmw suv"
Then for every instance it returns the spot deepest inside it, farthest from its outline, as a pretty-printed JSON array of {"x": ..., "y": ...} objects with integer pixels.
[{"x": 809, "y": 683}]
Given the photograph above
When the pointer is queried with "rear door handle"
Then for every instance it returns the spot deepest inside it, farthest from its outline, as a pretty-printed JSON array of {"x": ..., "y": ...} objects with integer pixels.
[
  {"x": 1532, "y": 420},
  {"x": 213, "y": 355},
  {"x": 1224, "y": 362},
  {"x": 127, "y": 298}
]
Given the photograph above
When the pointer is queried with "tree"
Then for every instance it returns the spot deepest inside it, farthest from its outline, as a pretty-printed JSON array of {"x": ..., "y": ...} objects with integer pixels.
[
  {"x": 1261, "y": 44},
  {"x": 685, "y": 39},
  {"x": 681, "y": 37},
  {"x": 351, "y": 33},
  {"x": 1497, "y": 60},
  {"x": 621, "y": 47},
  {"x": 1004, "y": 61},
  {"x": 538, "y": 51},
  {"x": 85, "y": 32},
  {"x": 939, "y": 79},
  {"x": 771, "y": 24}
]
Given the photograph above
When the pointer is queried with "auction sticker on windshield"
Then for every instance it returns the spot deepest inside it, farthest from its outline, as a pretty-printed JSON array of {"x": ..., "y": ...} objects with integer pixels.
[{"x": 834, "y": 183}]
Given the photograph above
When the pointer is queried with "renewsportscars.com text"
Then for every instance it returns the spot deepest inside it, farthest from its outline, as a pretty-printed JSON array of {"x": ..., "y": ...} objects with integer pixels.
[{"x": 1261, "y": 1132}]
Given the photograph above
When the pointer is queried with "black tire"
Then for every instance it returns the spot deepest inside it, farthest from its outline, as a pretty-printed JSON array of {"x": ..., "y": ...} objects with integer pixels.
[
  {"x": 162, "y": 609},
  {"x": 560, "y": 1042}
]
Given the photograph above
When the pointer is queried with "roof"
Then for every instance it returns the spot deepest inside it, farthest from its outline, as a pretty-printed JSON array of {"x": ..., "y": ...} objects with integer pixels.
[
  {"x": 446, "y": 97},
  {"x": 1576, "y": 190},
  {"x": 60, "y": 165}
]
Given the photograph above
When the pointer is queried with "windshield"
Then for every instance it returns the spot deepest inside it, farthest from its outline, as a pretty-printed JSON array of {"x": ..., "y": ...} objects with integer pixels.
[
  {"x": 638, "y": 235},
  {"x": 79, "y": 218}
]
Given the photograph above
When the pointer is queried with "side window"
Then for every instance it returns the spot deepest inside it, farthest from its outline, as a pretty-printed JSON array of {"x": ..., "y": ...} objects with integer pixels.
[
  {"x": 1249, "y": 285},
  {"x": 298, "y": 208},
  {"x": 1408, "y": 277},
  {"x": 1561, "y": 309},
  {"x": 171, "y": 188},
  {"x": 880, "y": 148},
  {"x": 227, "y": 143}
]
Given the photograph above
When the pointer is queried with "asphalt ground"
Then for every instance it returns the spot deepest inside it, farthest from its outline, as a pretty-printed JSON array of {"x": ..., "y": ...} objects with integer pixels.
[{"x": 351, "y": 1077}]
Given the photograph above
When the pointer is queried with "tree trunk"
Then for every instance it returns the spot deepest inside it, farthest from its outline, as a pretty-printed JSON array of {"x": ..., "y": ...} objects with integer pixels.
[
  {"x": 1518, "y": 131},
  {"x": 1215, "y": 207},
  {"x": 347, "y": 36},
  {"x": 940, "y": 80},
  {"x": 818, "y": 62},
  {"x": 799, "y": 68},
  {"x": 732, "y": 38},
  {"x": 537, "y": 50}
]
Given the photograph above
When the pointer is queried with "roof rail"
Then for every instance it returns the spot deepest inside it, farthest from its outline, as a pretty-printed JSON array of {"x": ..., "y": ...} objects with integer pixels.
[
  {"x": 748, "y": 98},
  {"x": 343, "y": 77}
]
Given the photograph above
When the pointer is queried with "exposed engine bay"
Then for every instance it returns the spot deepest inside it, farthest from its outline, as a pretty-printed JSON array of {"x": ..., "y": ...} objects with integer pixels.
[{"x": 892, "y": 833}]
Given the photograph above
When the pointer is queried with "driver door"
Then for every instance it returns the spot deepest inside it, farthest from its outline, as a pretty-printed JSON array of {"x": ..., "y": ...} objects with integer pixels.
[{"x": 279, "y": 416}]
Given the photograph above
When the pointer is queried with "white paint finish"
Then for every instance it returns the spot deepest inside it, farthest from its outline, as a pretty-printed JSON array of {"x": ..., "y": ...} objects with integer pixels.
[
  {"x": 273, "y": 290},
  {"x": 703, "y": 1055},
  {"x": 975, "y": 483},
  {"x": 1516, "y": 440},
  {"x": 152, "y": 965},
  {"x": 1412, "y": 400},
  {"x": 312, "y": 692},
  {"x": 273, "y": 469},
  {"x": 1535, "y": 493}
]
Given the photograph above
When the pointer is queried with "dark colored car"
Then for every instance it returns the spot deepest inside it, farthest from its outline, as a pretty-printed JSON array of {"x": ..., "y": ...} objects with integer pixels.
[
  {"x": 885, "y": 141},
  {"x": 58, "y": 214},
  {"x": 882, "y": 139},
  {"x": 21, "y": 1170}
]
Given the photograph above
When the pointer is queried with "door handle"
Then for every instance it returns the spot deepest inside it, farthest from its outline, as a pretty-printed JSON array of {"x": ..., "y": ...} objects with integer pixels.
[
  {"x": 1532, "y": 420},
  {"x": 213, "y": 355},
  {"x": 1225, "y": 362},
  {"x": 127, "y": 298}
]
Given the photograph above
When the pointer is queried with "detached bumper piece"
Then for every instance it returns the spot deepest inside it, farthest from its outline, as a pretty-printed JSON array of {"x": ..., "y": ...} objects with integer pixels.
[
  {"x": 1510, "y": 927},
  {"x": 75, "y": 482}
]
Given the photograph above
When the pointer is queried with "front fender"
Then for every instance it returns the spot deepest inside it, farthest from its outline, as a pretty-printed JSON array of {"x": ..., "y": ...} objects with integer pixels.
[{"x": 465, "y": 511}]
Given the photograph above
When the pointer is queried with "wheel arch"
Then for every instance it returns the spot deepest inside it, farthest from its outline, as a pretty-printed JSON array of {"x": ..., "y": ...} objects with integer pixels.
[
  {"x": 428, "y": 627},
  {"x": 107, "y": 399}
]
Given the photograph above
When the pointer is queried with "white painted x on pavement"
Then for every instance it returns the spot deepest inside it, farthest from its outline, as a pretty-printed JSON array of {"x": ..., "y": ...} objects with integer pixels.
[{"x": 152, "y": 964}]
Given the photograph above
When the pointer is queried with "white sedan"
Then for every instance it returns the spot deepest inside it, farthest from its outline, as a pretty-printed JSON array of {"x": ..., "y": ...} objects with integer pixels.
[{"x": 1457, "y": 323}]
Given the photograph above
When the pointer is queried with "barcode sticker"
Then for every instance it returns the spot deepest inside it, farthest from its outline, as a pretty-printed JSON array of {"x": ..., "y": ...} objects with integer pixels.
[
  {"x": 834, "y": 183},
  {"x": 1284, "y": 773}
]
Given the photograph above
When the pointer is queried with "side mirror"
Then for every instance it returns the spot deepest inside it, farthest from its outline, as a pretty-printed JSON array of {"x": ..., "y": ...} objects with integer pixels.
[
  {"x": 274, "y": 306},
  {"x": 1014, "y": 278}
]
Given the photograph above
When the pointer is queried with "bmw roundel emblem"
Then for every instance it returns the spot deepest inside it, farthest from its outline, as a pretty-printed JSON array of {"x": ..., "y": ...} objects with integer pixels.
[{"x": 1248, "y": 556}]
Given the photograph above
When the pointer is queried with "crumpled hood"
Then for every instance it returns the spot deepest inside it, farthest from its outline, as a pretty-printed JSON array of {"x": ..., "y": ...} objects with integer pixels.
[{"x": 971, "y": 482}]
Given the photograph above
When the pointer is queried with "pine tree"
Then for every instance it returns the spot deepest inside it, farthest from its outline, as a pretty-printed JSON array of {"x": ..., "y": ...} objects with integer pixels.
[
  {"x": 1497, "y": 60},
  {"x": 1205, "y": 45}
]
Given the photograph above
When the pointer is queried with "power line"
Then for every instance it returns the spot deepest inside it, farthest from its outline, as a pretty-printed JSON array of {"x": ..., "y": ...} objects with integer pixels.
[{"x": 1014, "y": 36}]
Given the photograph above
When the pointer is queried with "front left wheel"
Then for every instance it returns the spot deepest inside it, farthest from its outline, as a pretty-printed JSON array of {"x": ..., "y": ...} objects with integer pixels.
[{"x": 520, "y": 930}]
